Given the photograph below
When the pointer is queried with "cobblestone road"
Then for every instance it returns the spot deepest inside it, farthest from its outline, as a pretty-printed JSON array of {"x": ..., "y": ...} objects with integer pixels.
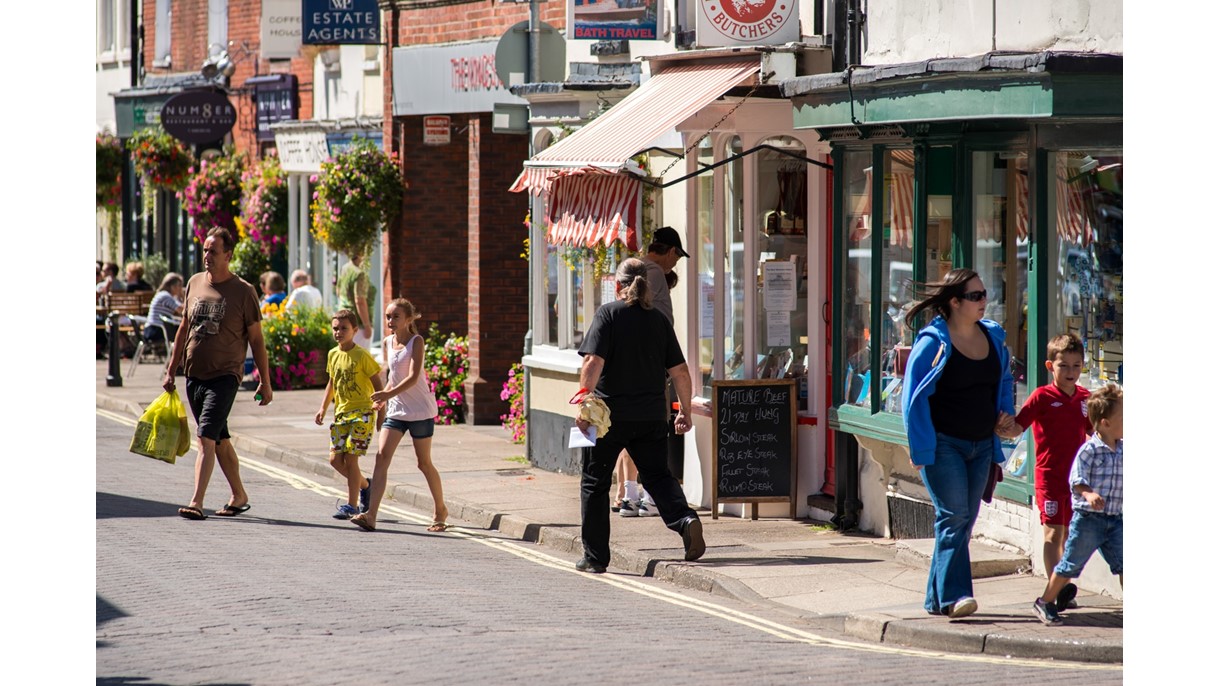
[{"x": 284, "y": 594}]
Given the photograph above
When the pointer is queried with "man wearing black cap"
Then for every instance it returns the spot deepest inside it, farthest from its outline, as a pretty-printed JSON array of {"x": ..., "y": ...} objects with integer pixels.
[{"x": 662, "y": 257}]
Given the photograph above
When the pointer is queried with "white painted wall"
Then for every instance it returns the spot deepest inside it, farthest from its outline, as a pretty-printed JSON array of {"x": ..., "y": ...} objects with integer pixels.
[
  {"x": 352, "y": 87},
  {"x": 903, "y": 31}
]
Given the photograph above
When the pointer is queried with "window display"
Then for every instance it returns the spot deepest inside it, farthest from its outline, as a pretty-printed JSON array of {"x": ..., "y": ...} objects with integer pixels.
[
  {"x": 781, "y": 299},
  {"x": 1087, "y": 259}
]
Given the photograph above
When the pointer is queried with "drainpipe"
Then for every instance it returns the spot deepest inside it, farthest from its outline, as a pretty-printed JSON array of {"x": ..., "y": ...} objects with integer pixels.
[
  {"x": 535, "y": 72},
  {"x": 855, "y": 31}
]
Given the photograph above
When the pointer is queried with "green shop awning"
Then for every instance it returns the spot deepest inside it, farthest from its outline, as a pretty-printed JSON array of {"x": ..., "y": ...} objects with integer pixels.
[{"x": 991, "y": 86}]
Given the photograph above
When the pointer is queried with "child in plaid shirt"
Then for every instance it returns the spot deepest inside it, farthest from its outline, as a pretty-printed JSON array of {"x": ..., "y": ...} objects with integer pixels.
[{"x": 1097, "y": 502}]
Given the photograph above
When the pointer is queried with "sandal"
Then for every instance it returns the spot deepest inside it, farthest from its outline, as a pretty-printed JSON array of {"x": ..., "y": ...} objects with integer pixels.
[
  {"x": 361, "y": 521},
  {"x": 438, "y": 526},
  {"x": 231, "y": 510},
  {"x": 191, "y": 513}
]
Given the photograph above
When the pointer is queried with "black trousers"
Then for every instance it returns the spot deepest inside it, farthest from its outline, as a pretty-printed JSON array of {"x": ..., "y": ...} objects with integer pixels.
[{"x": 646, "y": 443}]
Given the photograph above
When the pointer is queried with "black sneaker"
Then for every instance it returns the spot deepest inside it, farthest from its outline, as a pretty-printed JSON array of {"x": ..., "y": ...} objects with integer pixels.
[
  {"x": 692, "y": 538},
  {"x": 629, "y": 508},
  {"x": 1047, "y": 613},
  {"x": 1066, "y": 600},
  {"x": 587, "y": 565}
]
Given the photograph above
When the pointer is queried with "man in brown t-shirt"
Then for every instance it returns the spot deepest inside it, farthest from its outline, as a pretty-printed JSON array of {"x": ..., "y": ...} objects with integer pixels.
[{"x": 222, "y": 317}]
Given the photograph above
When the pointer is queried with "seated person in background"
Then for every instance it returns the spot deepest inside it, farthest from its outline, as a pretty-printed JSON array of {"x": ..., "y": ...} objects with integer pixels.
[
  {"x": 108, "y": 282},
  {"x": 135, "y": 278},
  {"x": 272, "y": 286},
  {"x": 168, "y": 303},
  {"x": 303, "y": 293}
]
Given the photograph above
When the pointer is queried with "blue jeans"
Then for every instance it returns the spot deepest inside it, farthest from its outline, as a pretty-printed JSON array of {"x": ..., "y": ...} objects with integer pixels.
[
  {"x": 955, "y": 480},
  {"x": 1088, "y": 533}
]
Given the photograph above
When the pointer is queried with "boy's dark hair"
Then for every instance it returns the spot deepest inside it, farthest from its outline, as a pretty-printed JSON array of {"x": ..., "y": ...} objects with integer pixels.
[
  {"x": 1103, "y": 402},
  {"x": 1064, "y": 343},
  {"x": 349, "y": 316}
]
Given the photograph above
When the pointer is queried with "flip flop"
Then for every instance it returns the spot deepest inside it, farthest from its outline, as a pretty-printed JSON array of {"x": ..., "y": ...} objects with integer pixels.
[
  {"x": 191, "y": 513},
  {"x": 231, "y": 510},
  {"x": 361, "y": 521},
  {"x": 438, "y": 526}
]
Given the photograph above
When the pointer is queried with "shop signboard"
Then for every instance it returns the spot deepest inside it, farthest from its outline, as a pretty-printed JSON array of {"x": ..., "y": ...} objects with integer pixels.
[
  {"x": 754, "y": 443},
  {"x": 448, "y": 79},
  {"x": 340, "y": 22},
  {"x": 436, "y": 130},
  {"x": 302, "y": 151},
  {"x": 280, "y": 29},
  {"x": 339, "y": 141},
  {"x": 746, "y": 22},
  {"x": 615, "y": 19},
  {"x": 198, "y": 116}
]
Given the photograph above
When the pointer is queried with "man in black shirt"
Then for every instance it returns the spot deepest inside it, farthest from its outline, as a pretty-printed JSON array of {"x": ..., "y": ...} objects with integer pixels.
[{"x": 627, "y": 351}]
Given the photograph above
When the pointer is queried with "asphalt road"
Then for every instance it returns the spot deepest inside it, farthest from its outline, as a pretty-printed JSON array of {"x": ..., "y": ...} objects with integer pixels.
[{"x": 284, "y": 594}]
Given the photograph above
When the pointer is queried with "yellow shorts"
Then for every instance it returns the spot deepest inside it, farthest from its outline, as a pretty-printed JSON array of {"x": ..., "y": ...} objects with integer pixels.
[{"x": 351, "y": 432}]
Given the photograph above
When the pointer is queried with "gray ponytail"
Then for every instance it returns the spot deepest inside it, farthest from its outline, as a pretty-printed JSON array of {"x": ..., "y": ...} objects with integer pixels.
[{"x": 632, "y": 277}]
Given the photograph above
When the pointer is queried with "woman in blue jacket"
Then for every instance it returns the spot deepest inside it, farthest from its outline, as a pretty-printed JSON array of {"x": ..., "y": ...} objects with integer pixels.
[{"x": 958, "y": 388}]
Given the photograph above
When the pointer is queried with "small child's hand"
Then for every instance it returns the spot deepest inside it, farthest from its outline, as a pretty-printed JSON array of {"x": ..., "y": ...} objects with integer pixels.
[
  {"x": 317, "y": 418},
  {"x": 381, "y": 396}
]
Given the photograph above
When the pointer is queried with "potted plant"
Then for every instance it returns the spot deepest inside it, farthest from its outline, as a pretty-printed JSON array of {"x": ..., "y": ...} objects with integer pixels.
[
  {"x": 212, "y": 196},
  {"x": 298, "y": 341},
  {"x": 359, "y": 193},
  {"x": 109, "y": 164},
  {"x": 160, "y": 159},
  {"x": 265, "y": 205}
]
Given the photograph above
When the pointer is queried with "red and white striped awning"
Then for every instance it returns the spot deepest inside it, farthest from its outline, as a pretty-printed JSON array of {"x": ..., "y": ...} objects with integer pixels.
[
  {"x": 609, "y": 141},
  {"x": 593, "y": 192},
  {"x": 598, "y": 206}
]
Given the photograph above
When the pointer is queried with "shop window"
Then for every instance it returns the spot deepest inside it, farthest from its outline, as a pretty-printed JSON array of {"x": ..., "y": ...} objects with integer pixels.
[
  {"x": 781, "y": 294},
  {"x": 705, "y": 265},
  {"x": 897, "y": 271},
  {"x": 1001, "y": 248},
  {"x": 734, "y": 264},
  {"x": 857, "y": 274},
  {"x": 1085, "y": 214}
]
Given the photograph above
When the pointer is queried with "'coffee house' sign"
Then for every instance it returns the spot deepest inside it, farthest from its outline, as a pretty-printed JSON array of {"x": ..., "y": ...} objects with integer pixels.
[{"x": 198, "y": 116}]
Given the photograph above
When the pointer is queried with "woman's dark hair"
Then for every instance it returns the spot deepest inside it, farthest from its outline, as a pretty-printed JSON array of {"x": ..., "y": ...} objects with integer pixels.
[
  {"x": 632, "y": 278},
  {"x": 937, "y": 295},
  {"x": 671, "y": 279}
]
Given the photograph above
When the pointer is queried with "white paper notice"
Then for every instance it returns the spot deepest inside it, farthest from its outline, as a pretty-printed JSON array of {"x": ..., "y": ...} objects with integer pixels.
[
  {"x": 779, "y": 286},
  {"x": 576, "y": 439},
  {"x": 706, "y": 312},
  {"x": 607, "y": 289},
  {"x": 779, "y": 328}
]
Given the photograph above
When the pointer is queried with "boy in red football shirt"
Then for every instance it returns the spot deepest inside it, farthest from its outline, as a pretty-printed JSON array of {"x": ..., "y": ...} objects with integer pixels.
[{"x": 1059, "y": 414}]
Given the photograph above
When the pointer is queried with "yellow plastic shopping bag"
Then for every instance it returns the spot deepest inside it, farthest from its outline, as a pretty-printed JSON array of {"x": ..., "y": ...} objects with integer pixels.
[{"x": 157, "y": 432}]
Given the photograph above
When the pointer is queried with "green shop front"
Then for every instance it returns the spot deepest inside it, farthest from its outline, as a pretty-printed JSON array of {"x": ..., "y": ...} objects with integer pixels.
[{"x": 1008, "y": 164}]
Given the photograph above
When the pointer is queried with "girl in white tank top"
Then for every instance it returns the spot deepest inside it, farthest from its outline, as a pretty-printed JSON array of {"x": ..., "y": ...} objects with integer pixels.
[{"x": 410, "y": 407}]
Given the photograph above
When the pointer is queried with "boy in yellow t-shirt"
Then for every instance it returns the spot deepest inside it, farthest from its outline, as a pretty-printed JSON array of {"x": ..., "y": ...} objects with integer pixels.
[{"x": 354, "y": 375}]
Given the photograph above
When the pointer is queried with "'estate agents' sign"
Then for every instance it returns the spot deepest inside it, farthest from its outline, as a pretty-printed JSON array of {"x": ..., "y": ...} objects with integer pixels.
[
  {"x": 340, "y": 22},
  {"x": 198, "y": 116}
]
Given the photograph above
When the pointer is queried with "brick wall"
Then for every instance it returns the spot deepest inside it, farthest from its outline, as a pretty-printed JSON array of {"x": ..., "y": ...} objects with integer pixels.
[
  {"x": 189, "y": 50},
  {"x": 449, "y": 21}
]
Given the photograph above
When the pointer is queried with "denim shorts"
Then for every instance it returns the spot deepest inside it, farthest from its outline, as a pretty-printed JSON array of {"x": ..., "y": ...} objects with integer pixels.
[
  {"x": 1090, "y": 532},
  {"x": 421, "y": 428}
]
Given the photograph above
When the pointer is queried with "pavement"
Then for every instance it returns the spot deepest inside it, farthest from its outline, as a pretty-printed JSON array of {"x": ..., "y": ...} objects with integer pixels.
[{"x": 868, "y": 587}]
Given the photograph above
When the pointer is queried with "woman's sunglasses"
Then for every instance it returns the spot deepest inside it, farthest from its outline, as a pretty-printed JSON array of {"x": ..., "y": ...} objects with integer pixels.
[{"x": 975, "y": 296}]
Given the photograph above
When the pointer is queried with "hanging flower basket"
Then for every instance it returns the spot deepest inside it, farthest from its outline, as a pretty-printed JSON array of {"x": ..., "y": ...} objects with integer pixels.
[
  {"x": 212, "y": 197},
  {"x": 109, "y": 171},
  {"x": 162, "y": 160},
  {"x": 359, "y": 193},
  {"x": 265, "y": 204}
]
